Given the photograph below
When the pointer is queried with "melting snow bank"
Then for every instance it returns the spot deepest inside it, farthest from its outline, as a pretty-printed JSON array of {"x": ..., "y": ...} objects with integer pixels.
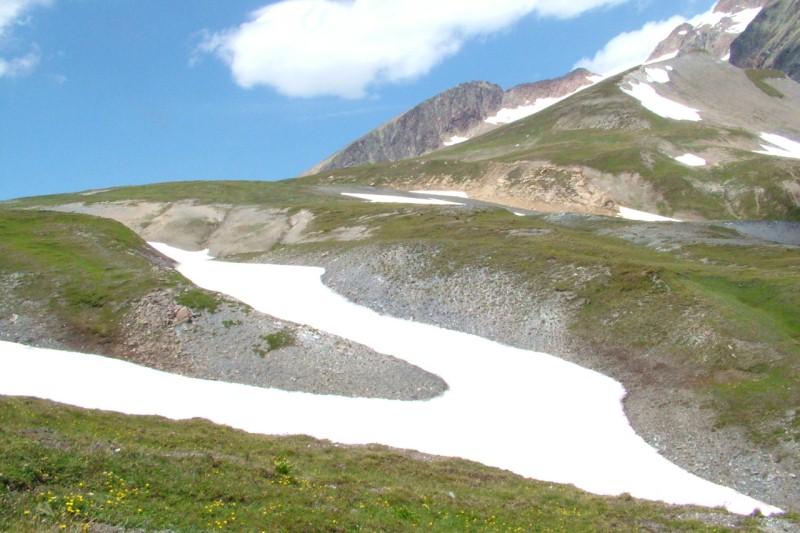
[
  {"x": 508, "y": 115},
  {"x": 632, "y": 214},
  {"x": 528, "y": 412},
  {"x": 455, "y": 139},
  {"x": 691, "y": 160},
  {"x": 779, "y": 146},
  {"x": 657, "y": 75},
  {"x": 659, "y": 105},
  {"x": 377, "y": 198},
  {"x": 455, "y": 194}
]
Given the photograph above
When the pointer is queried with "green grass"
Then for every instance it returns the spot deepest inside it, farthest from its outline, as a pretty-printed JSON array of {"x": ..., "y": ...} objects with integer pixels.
[
  {"x": 82, "y": 270},
  {"x": 759, "y": 77},
  {"x": 63, "y": 468},
  {"x": 279, "y": 340},
  {"x": 199, "y": 300}
]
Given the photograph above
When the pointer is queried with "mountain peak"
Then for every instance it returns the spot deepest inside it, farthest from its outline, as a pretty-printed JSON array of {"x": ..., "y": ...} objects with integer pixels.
[
  {"x": 713, "y": 32},
  {"x": 454, "y": 116}
]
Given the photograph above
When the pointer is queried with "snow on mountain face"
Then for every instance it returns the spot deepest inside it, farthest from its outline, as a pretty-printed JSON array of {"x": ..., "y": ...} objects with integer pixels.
[
  {"x": 713, "y": 32},
  {"x": 453, "y": 117},
  {"x": 771, "y": 40},
  {"x": 650, "y": 99},
  {"x": 779, "y": 146},
  {"x": 530, "y": 98}
]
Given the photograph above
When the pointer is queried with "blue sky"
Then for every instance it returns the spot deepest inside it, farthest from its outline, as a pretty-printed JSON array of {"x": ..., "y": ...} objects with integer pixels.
[{"x": 101, "y": 93}]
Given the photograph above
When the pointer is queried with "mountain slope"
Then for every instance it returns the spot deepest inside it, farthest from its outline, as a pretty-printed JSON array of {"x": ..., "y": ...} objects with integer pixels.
[
  {"x": 660, "y": 308},
  {"x": 772, "y": 40},
  {"x": 602, "y": 148},
  {"x": 451, "y": 117},
  {"x": 423, "y": 128}
]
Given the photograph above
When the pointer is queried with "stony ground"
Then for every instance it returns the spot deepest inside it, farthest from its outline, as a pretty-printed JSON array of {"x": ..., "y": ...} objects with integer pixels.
[{"x": 232, "y": 344}]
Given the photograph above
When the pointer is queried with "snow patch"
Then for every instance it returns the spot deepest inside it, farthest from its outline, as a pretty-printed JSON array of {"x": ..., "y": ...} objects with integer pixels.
[
  {"x": 665, "y": 57},
  {"x": 632, "y": 214},
  {"x": 659, "y": 105},
  {"x": 683, "y": 32},
  {"x": 691, "y": 160},
  {"x": 657, "y": 75},
  {"x": 388, "y": 198},
  {"x": 589, "y": 442},
  {"x": 742, "y": 19},
  {"x": 507, "y": 115},
  {"x": 779, "y": 146},
  {"x": 726, "y": 57},
  {"x": 456, "y": 194},
  {"x": 710, "y": 18},
  {"x": 455, "y": 139}
]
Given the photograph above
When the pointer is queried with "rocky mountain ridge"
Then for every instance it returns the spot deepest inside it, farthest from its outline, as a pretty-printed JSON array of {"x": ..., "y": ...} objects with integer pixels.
[
  {"x": 713, "y": 32},
  {"x": 473, "y": 109},
  {"x": 772, "y": 40},
  {"x": 453, "y": 116}
]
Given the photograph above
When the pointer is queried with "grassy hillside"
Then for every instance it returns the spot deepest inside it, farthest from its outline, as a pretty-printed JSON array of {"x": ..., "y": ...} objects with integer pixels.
[
  {"x": 79, "y": 272},
  {"x": 63, "y": 468},
  {"x": 705, "y": 312},
  {"x": 605, "y": 130}
]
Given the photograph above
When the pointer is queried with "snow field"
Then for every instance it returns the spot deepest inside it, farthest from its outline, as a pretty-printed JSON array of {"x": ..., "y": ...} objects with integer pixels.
[
  {"x": 659, "y": 105},
  {"x": 508, "y": 115},
  {"x": 657, "y": 75},
  {"x": 528, "y": 412},
  {"x": 742, "y": 19},
  {"x": 691, "y": 160},
  {"x": 632, "y": 214},
  {"x": 454, "y": 194},
  {"x": 779, "y": 146},
  {"x": 378, "y": 198},
  {"x": 455, "y": 139}
]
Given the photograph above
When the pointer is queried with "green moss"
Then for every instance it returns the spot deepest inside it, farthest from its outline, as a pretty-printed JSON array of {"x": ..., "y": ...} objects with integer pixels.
[
  {"x": 84, "y": 270},
  {"x": 759, "y": 77},
  {"x": 279, "y": 340},
  {"x": 199, "y": 300}
]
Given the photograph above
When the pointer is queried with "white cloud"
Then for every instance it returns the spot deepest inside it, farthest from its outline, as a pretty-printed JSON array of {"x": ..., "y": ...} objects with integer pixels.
[
  {"x": 326, "y": 47},
  {"x": 13, "y": 13},
  {"x": 18, "y": 66},
  {"x": 630, "y": 49}
]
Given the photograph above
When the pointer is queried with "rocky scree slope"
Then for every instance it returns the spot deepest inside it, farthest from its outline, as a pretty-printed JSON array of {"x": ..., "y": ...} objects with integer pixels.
[{"x": 75, "y": 282}]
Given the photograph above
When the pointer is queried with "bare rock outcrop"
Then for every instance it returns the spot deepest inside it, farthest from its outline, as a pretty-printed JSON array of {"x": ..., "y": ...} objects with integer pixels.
[
  {"x": 422, "y": 128},
  {"x": 460, "y": 112},
  {"x": 772, "y": 40}
]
